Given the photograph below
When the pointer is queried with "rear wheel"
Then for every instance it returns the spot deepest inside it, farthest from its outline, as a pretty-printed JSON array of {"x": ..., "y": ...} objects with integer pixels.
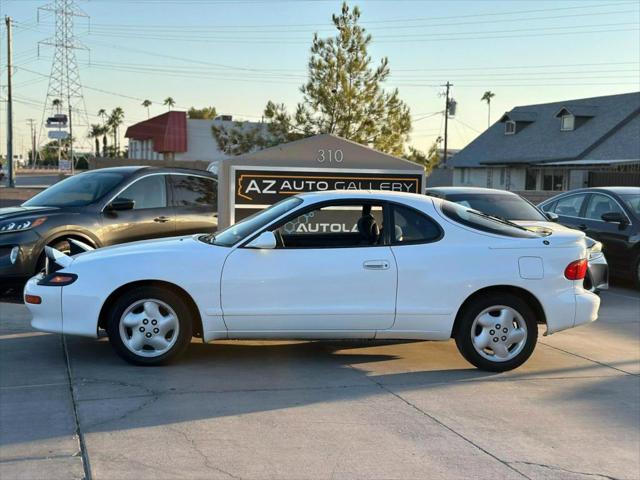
[
  {"x": 497, "y": 332},
  {"x": 149, "y": 325},
  {"x": 60, "y": 245}
]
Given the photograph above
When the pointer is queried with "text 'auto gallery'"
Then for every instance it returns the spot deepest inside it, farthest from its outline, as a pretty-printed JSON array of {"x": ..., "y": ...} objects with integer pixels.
[{"x": 248, "y": 183}]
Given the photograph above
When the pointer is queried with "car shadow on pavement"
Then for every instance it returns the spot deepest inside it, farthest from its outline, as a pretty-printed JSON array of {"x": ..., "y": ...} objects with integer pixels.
[{"x": 232, "y": 378}]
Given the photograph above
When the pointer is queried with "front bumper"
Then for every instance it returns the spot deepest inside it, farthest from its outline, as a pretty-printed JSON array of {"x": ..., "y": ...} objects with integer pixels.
[
  {"x": 46, "y": 316},
  {"x": 29, "y": 251}
]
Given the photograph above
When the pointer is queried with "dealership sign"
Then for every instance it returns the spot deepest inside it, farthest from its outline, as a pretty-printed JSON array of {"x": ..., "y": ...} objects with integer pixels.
[{"x": 256, "y": 188}]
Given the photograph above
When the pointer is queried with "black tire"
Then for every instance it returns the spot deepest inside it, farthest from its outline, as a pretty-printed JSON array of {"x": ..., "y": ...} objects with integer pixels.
[
  {"x": 129, "y": 298},
  {"x": 636, "y": 273},
  {"x": 463, "y": 335}
]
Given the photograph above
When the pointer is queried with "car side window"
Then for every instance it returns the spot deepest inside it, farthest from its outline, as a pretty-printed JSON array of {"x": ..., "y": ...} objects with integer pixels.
[
  {"x": 333, "y": 226},
  {"x": 599, "y": 205},
  {"x": 411, "y": 226},
  {"x": 194, "y": 191},
  {"x": 148, "y": 192},
  {"x": 570, "y": 205}
]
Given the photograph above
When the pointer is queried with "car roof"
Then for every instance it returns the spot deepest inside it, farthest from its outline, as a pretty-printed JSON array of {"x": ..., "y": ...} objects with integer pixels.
[
  {"x": 469, "y": 190},
  {"x": 133, "y": 169},
  {"x": 365, "y": 194},
  {"x": 614, "y": 190}
]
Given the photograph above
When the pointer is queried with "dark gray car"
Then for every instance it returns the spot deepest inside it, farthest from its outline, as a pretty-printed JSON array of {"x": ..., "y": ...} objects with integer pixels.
[{"x": 105, "y": 207}]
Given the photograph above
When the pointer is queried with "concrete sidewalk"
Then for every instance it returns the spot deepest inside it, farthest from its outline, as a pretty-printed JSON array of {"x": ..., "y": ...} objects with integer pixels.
[{"x": 322, "y": 410}]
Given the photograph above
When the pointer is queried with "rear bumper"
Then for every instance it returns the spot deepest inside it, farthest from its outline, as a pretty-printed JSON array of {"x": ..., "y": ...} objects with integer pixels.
[
  {"x": 587, "y": 305},
  {"x": 573, "y": 307}
]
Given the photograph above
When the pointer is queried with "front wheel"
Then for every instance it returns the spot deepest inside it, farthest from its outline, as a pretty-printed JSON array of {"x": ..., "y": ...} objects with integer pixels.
[
  {"x": 497, "y": 332},
  {"x": 149, "y": 325}
]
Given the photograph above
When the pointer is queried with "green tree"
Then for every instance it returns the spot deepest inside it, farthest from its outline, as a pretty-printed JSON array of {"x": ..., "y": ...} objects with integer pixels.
[
  {"x": 207, "y": 113},
  {"x": 113, "y": 123},
  {"x": 343, "y": 95},
  {"x": 96, "y": 131},
  {"x": 169, "y": 102},
  {"x": 488, "y": 95},
  {"x": 102, "y": 113},
  {"x": 146, "y": 104},
  {"x": 429, "y": 160}
]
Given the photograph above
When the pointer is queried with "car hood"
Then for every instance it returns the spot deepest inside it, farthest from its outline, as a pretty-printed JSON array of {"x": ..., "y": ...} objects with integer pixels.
[
  {"x": 169, "y": 249},
  {"x": 20, "y": 211}
]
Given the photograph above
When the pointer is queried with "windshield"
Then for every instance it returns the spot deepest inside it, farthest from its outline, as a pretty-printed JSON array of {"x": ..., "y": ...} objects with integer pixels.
[
  {"x": 633, "y": 202},
  {"x": 239, "y": 231},
  {"x": 509, "y": 207},
  {"x": 480, "y": 221},
  {"x": 77, "y": 191}
]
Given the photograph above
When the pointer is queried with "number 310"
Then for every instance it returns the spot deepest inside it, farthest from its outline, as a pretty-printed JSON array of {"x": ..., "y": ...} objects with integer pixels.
[{"x": 330, "y": 156}]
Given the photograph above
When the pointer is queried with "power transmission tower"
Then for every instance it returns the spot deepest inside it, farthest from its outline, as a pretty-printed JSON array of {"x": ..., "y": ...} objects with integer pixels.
[{"x": 64, "y": 82}]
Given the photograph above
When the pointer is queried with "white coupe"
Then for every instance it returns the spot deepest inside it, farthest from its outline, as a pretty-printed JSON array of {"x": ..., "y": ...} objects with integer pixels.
[{"x": 327, "y": 265}]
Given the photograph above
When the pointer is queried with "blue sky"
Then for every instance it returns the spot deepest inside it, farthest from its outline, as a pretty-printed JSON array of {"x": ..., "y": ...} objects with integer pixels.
[{"x": 238, "y": 54}]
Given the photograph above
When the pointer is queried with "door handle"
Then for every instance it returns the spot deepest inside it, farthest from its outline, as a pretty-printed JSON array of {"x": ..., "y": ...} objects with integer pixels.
[
  {"x": 376, "y": 265},
  {"x": 161, "y": 219},
  {"x": 582, "y": 227}
]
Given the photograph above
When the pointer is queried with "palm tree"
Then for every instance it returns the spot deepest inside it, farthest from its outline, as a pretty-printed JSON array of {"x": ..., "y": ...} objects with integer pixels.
[
  {"x": 169, "y": 102},
  {"x": 102, "y": 113},
  {"x": 96, "y": 131},
  {"x": 57, "y": 104},
  {"x": 146, "y": 104},
  {"x": 488, "y": 95},
  {"x": 115, "y": 120}
]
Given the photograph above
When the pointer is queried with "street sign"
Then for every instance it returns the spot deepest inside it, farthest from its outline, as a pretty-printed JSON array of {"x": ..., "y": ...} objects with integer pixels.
[
  {"x": 64, "y": 165},
  {"x": 58, "y": 134},
  {"x": 58, "y": 120}
]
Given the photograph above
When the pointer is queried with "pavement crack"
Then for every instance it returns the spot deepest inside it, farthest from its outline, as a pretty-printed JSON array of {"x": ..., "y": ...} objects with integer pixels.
[
  {"x": 589, "y": 359},
  {"x": 566, "y": 470},
  {"x": 74, "y": 402},
  {"x": 205, "y": 459},
  {"x": 447, "y": 427}
]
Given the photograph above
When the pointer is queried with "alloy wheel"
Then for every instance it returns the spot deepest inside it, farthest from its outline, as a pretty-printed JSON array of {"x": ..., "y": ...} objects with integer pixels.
[
  {"x": 499, "y": 333},
  {"x": 149, "y": 327}
]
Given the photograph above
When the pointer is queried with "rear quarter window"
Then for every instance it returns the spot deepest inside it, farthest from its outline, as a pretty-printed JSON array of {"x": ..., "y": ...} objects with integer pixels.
[{"x": 478, "y": 221}]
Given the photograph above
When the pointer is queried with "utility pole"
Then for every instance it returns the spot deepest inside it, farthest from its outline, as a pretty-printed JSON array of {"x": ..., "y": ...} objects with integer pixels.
[
  {"x": 12, "y": 181},
  {"x": 446, "y": 122},
  {"x": 32, "y": 123}
]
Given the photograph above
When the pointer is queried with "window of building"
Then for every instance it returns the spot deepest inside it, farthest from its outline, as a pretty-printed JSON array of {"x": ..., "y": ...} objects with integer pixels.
[
  {"x": 193, "y": 191},
  {"x": 503, "y": 175},
  {"x": 148, "y": 192},
  {"x": 567, "y": 122},
  {"x": 463, "y": 175},
  {"x": 411, "y": 226},
  {"x": 531, "y": 180},
  {"x": 553, "y": 180},
  {"x": 509, "y": 127}
]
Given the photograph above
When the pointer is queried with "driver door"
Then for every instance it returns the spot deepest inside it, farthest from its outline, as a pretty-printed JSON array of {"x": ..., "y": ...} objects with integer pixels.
[
  {"x": 151, "y": 216},
  {"x": 326, "y": 275}
]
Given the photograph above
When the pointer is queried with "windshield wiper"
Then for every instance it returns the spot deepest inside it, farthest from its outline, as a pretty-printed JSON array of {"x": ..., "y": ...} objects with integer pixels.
[
  {"x": 498, "y": 219},
  {"x": 209, "y": 238}
]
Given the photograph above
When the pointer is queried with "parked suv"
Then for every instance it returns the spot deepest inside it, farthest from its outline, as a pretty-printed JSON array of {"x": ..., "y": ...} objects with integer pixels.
[
  {"x": 611, "y": 215},
  {"x": 105, "y": 207}
]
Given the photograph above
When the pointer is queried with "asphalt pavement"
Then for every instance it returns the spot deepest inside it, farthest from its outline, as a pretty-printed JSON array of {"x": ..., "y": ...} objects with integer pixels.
[
  {"x": 34, "y": 180},
  {"x": 323, "y": 410}
]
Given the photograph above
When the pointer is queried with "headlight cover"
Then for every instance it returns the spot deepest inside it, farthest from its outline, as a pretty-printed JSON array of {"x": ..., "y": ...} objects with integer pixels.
[{"x": 20, "y": 225}]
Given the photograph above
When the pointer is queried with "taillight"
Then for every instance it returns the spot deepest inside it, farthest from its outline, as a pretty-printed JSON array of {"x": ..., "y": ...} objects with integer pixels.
[
  {"x": 58, "y": 279},
  {"x": 576, "y": 270}
]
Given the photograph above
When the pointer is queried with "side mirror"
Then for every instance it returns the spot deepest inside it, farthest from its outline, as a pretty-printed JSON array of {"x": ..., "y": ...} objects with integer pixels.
[
  {"x": 553, "y": 217},
  {"x": 266, "y": 240},
  {"x": 121, "y": 204},
  {"x": 615, "y": 217}
]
